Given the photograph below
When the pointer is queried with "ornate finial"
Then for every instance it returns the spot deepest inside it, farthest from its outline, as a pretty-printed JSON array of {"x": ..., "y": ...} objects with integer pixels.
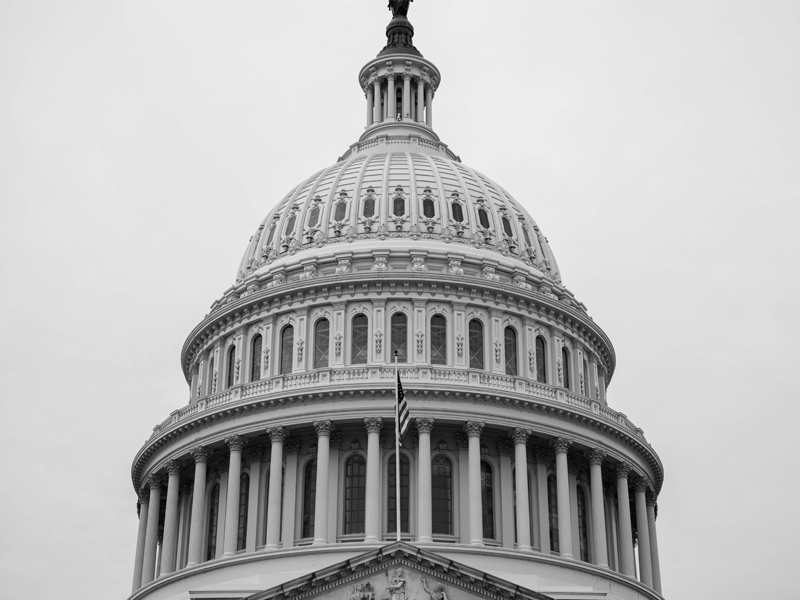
[{"x": 399, "y": 8}]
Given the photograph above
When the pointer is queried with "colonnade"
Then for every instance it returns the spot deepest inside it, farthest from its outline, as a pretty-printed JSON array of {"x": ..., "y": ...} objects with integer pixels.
[
  {"x": 603, "y": 515},
  {"x": 382, "y": 100}
]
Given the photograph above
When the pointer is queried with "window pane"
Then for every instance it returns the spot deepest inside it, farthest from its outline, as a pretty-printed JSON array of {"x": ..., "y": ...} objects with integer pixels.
[
  {"x": 309, "y": 498},
  {"x": 582, "y": 530},
  {"x": 355, "y": 490},
  {"x": 287, "y": 343},
  {"x": 341, "y": 209},
  {"x": 244, "y": 499},
  {"x": 565, "y": 366},
  {"x": 427, "y": 208},
  {"x": 487, "y": 501},
  {"x": 405, "y": 473},
  {"x": 552, "y": 507},
  {"x": 255, "y": 358},
  {"x": 400, "y": 337},
  {"x": 369, "y": 207},
  {"x": 213, "y": 517},
  {"x": 290, "y": 225},
  {"x": 458, "y": 212},
  {"x": 313, "y": 216},
  {"x": 511, "y": 351},
  {"x": 483, "y": 217},
  {"x": 399, "y": 207},
  {"x": 541, "y": 360},
  {"x": 442, "y": 495},
  {"x": 507, "y": 227},
  {"x": 475, "y": 344},
  {"x": 322, "y": 336},
  {"x": 438, "y": 340},
  {"x": 360, "y": 345},
  {"x": 231, "y": 365}
]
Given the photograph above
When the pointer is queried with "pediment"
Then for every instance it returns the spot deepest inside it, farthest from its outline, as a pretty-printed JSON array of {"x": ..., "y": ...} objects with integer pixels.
[{"x": 399, "y": 571}]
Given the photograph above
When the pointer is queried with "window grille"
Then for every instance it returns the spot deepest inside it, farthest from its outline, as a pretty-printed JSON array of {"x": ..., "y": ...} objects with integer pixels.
[
  {"x": 511, "y": 351},
  {"x": 405, "y": 474},
  {"x": 244, "y": 499},
  {"x": 360, "y": 344},
  {"x": 442, "y": 492},
  {"x": 400, "y": 337},
  {"x": 287, "y": 346},
  {"x": 487, "y": 500},
  {"x": 322, "y": 337},
  {"x": 541, "y": 360},
  {"x": 438, "y": 340},
  {"x": 475, "y": 344},
  {"x": 213, "y": 517},
  {"x": 255, "y": 357},
  {"x": 355, "y": 491},
  {"x": 582, "y": 529},
  {"x": 552, "y": 508},
  {"x": 309, "y": 498}
]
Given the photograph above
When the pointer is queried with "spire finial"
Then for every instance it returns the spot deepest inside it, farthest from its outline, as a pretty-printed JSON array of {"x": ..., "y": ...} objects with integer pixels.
[
  {"x": 399, "y": 8},
  {"x": 399, "y": 32}
]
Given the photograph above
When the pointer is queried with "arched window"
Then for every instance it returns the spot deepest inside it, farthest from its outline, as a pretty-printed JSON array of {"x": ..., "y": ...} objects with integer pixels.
[
  {"x": 322, "y": 338},
  {"x": 400, "y": 337},
  {"x": 359, "y": 352},
  {"x": 552, "y": 509},
  {"x": 290, "y": 225},
  {"x": 313, "y": 216},
  {"x": 355, "y": 492},
  {"x": 475, "y": 344},
  {"x": 369, "y": 206},
  {"x": 309, "y": 497},
  {"x": 391, "y": 493},
  {"x": 427, "y": 208},
  {"x": 509, "y": 231},
  {"x": 458, "y": 212},
  {"x": 483, "y": 217},
  {"x": 213, "y": 517},
  {"x": 399, "y": 206},
  {"x": 231, "y": 365},
  {"x": 341, "y": 211},
  {"x": 510, "y": 336},
  {"x": 287, "y": 345},
  {"x": 487, "y": 500},
  {"x": 442, "y": 495},
  {"x": 565, "y": 366},
  {"x": 255, "y": 357},
  {"x": 438, "y": 340},
  {"x": 244, "y": 499},
  {"x": 582, "y": 529},
  {"x": 541, "y": 360},
  {"x": 211, "y": 383}
]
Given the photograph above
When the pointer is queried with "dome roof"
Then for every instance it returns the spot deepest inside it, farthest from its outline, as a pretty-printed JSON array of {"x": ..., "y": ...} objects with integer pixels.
[{"x": 394, "y": 188}]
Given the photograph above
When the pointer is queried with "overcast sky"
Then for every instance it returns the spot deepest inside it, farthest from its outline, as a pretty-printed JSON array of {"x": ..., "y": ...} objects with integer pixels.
[{"x": 656, "y": 144}]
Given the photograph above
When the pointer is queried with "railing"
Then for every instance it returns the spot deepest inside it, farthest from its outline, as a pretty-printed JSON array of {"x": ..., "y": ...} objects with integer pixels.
[{"x": 421, "y": 375}]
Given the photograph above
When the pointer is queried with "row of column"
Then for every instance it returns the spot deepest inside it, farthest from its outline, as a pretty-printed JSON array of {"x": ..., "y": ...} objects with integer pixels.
[
  {"x": 424, "y": 101},
  {"x": 145, "y": 568}
]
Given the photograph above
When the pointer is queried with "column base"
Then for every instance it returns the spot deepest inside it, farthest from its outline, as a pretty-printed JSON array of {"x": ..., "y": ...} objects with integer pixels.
[
  {"x": 476, "y": 543},
  {"x": 319, "y": 542},
  {"x": 425, "y": 540},
  {"x": 271, "y": 548},
  {"x": 228, "y": 554},
  {"x": 371, "y": 540}
]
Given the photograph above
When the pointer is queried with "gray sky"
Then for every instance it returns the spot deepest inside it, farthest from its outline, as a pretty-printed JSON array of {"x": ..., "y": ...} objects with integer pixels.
[{"x": 656, "y": 144}]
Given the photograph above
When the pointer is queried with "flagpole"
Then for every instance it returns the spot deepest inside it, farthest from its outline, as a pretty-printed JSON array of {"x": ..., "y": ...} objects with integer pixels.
[{"x": 397, "y": 446}]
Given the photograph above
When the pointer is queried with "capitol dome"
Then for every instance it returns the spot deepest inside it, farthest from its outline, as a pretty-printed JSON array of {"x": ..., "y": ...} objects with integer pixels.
[{"x": 282, "y": 478}]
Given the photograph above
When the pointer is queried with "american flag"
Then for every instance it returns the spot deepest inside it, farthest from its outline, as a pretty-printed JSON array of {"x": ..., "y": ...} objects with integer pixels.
[{"x": 401, "y": 410}]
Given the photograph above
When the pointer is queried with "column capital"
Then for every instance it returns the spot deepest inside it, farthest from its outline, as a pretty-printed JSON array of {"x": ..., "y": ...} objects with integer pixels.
[
  {"x": 291, "y": 445},
  {"x": 173, "y": 467},
  {"x": 640, "y": 484},
  {"x": 520, "y": 435},
  {"x": 323, "y": 428},
  {"x": 474, "y": 428},
  {"x": 255, "y": 453},
  {"x": 622, "y": 469},
  {"x": 200, "y": 454},
  {"x": 540, "y": 455},
  {"x": 597, "y": 456},
  {"x": 235, "y": 442},
  {"x": 425, "y": 424},
  {"x": 651, "y": 499},
  {"x": 373, "y": 424},
  {"x": 276, "y": 434},
  {"x": 504, "y": 446},
  {"x": 154, "y": 482},
  {"x": 561, "y": 444}
]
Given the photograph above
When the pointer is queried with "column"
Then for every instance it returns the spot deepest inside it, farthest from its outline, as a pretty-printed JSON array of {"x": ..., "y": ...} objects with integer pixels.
[
  {"x": 170, "y": 544},
  {"x": 291, "y": 448},
  {"x": 425, "y": 499},
  {"x": 561, "y": 446},
  {"x": 143, "y": 503},
  {"x": 643, "y": 533},
  {"x": 506, "y": 480},
  {"x": 625, "y": 533},
  {"x": 235, "y": 444},
  {"x": 429, "y": 106},
  {"x": 151, "y": 534},
  {"x": 324, "y": 429},
  {"x": 333, "y": 475},
  {"x": 611, "y": 526},
  {"x": 572, "y": 469},
  {"x": 276, "y": 435},
  {"x": 420, "y": 101},
  {"x": 520, "y": 437},
  {"x": 651, "y": 526},
  {"x": 391, "y": 97},
  {"x": 407, "y": 95},
  {"x": 200, "y": 456},
  {"x": 474, "y": 429},
  {"x": 255, "y": 454},
  {"x": 377, "y": 117},
  {"x": 600, "y": 554},
  {"x": 372, "y": 512},
  {"x": 540, "y": 456},
  {"x": 462, "y": 443},
  {"x": 370, "y": 105}
]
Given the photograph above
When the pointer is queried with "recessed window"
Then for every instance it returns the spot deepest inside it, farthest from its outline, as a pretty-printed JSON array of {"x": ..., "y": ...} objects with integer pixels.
[
  {"x": 510, "y": 338},
  {"x": 565, "y": 366},
  {"x": 322, "y": 337},
  {"x": 391, "y": 493},
  {"x": 231, "y": 365},
  {"x": 442, "y": 495},
  {"x": 552, "y": 510},
  {"x": 582, "y": 529},
  {"x": 213, "y": 518},
  {"x": 355, "y": 494},
  {"x": 527, "y": 237},
  {"x": 487, "y": 500},
  {"x": 541, "y": 360},
  {"x": 309, "y": 497},
  {"x": 313, "y": 216},
  {"x": 509, "y": 231},
  {"x": 244, "y": 499},
  {"x": 211, "y": 386},
  {"x": 340, "y": 212},
  {"x": 399, "y": 337},
  {"x": 475, "y": 344},
  {"x": 369, "y": 207},
  {"x": 287, "y": 345},
  {"x": 483, "y": 217},
  {"x": 458, "y": 212},
  {"x": 290, "y": 225},
  {"x": 360, "y": 340},
  {"x": 399, "y": 206},
  {"x": 438, "y": 340},
  {"x": 271, "y": 235},
  {"x": 427, "y": 208},
  {"x": 255, "y": 357}
]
